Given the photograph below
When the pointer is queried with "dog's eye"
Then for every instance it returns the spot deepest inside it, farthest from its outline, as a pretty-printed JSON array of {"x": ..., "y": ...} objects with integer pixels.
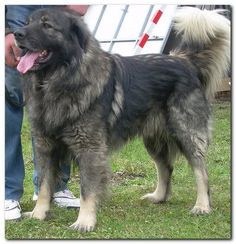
[{"x": 47, "y": 25}]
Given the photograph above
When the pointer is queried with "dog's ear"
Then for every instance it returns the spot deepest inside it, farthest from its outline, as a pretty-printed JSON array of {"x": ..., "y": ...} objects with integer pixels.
[{"x": 80, "y": 30}]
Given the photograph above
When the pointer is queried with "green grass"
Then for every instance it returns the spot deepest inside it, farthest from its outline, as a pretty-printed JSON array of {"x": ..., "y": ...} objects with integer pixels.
[{"x": 124, "y": 215}]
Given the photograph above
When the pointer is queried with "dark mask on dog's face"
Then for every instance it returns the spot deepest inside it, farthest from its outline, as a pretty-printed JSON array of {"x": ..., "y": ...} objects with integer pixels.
[{"x": 48, "y": 35}]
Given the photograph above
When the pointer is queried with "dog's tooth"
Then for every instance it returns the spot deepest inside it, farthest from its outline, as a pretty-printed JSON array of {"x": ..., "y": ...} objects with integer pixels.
[{"x": 43, "y": 53}]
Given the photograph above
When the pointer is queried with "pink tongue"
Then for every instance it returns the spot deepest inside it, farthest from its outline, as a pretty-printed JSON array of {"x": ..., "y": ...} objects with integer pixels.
[{"x": 27, "y": 61}]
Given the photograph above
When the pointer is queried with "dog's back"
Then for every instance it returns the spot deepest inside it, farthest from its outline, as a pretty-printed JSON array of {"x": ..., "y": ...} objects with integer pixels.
[{"x": 85, "y": 99}]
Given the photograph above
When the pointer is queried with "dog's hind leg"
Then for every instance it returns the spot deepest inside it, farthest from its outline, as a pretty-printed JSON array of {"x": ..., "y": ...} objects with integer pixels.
[
  {"x": 164, "y": 155},
  {"x": 190, "y": 125},
  {"x": 202, "y": 205},
  {"x": 194, "y": 148}
]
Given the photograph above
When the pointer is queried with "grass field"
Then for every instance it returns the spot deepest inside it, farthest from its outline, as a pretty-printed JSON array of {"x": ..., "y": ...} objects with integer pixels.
[{"x": 124, "y": 215}]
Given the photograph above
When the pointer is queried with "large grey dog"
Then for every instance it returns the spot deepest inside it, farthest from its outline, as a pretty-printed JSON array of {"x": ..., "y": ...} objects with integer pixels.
[{"x": 84, "y": 102}]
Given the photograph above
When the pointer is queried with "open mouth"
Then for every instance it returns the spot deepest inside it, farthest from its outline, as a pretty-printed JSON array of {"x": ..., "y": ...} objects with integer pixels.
[{"x": 32, "y": 60}]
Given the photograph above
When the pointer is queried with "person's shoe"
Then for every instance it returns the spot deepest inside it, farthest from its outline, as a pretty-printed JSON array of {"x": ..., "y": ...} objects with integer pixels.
[
  {"x": 12, "y": 210},
  {"x": 35, "y": 197},
  {"x": 64, "y": 199}
]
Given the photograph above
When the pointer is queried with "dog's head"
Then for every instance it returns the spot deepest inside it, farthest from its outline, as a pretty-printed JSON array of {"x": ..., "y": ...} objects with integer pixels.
[{"x": 50, "y": 36}]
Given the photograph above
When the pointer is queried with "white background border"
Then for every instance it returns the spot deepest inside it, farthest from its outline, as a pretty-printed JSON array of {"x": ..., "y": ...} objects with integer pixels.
[{"x": 2, "y": 88}]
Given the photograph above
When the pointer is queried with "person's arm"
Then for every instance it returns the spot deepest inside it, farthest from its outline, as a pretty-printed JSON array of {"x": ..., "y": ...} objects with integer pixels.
[{"x": 12, "y": 52}]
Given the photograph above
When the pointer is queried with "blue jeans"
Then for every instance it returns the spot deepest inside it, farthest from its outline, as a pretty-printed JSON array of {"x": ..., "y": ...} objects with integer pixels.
[{"x": 14, "y": 164}]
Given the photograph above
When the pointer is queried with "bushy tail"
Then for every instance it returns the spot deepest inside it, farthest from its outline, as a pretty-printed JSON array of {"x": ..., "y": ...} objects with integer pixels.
[{"x": 205, "y": 39}]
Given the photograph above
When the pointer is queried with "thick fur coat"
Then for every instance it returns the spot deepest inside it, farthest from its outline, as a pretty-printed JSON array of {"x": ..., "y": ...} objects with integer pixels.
[{"x": 84, "y": 102}]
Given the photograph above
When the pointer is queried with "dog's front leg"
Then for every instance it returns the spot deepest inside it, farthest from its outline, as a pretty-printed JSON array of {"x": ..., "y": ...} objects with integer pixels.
[
  {"x": 94, "y": 174},
  {"x": 86, "y": 220},
  {"x": 43, "y": 203},
  {"x": 46, "y": 177}
]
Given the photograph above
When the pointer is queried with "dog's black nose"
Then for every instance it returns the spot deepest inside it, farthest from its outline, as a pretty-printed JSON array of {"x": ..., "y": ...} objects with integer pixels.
[{"x": 20, "y": 34}]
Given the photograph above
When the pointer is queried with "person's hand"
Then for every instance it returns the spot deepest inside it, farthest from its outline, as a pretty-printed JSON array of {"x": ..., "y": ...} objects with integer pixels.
[
  {"x": 12, "y": 52},
  {"x": 81, "y": 9}
]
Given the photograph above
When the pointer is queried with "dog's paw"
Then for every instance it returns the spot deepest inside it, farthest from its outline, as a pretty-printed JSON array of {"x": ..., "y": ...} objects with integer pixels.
[
  {"x": 153, "y": 197},
  {"x": 41, "y": 215},
  {"x": 27, "y": 214},
  {"x": 84, "y": 225},
  {"x": 201, "y": 210}
]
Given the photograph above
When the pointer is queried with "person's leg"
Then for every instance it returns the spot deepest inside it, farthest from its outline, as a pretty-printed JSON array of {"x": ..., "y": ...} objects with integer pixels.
[{"x": 14, "y": 166}]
